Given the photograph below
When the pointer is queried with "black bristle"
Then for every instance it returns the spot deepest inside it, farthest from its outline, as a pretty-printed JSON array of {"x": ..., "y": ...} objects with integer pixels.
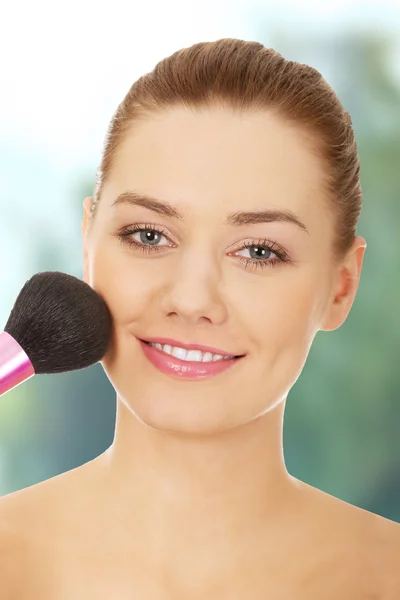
[{"x": 61, "y": 323}]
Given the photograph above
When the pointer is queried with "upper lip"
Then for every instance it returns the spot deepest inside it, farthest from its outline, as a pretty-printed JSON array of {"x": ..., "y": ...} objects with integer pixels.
[{"x": 172, "y": 342}]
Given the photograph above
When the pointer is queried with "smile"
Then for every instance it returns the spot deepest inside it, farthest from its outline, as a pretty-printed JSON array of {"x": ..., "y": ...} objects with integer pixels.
[
  {"x": 186, "y": 364},
  {"x": 189, "y": 355}
]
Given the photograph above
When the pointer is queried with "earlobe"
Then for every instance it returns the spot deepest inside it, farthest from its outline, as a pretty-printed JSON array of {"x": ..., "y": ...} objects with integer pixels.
[
  {"x": 346, "y": 286},
  {"x": 85, "y": 270},
  {"x": 86, "y": 211},
  {"x": 85, "y": 262},
  {"x": 339, "y": 305}
]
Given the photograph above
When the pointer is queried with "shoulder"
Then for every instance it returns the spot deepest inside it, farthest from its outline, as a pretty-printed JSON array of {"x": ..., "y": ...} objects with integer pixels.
[
  {"x": 31, "y": 529},
  {"x": 383, "y": 548},
  {"x": 359, "y": 551},
  {"x": 372, "y": 547},
  {"x": 14, "y": 544}
]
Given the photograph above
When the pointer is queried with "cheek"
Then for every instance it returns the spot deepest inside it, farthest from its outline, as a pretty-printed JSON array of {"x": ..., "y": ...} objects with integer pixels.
[
  {"x": 124, "y": 287},
  {"x": 284, "y": 327},
  {"x": 286, "y": 301},
  {"x": 283, "y": 317}
]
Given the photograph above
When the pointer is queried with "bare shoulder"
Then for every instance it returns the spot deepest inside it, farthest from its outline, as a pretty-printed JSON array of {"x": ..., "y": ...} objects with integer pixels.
[
  {"x": 32, "y": 526},
  {"x": 383, "y": 543},
  {"x": 14, "y": 543},
  {"x": 358, "y": 552}
]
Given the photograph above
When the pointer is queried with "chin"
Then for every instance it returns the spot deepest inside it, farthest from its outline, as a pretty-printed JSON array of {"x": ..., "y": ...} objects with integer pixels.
[{"x": 171, "y": 418}]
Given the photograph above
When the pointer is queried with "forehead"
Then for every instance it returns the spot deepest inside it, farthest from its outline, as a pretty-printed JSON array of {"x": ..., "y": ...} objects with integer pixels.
[{"x": 215, "y": 154}]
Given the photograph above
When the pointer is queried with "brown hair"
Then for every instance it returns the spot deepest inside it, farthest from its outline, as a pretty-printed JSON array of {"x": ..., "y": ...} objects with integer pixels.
[{"x": 245, "y": 75}]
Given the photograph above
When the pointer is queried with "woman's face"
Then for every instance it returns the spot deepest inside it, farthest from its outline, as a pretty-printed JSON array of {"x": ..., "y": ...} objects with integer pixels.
[{"x": 193, "y": 285}]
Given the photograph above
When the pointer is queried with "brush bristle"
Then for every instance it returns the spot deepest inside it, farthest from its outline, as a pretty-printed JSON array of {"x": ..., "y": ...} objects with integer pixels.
[{"x": 61, "y": 323}]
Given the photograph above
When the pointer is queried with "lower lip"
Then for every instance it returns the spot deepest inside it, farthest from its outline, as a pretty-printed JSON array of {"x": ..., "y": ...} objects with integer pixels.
[{"x": 185, "y": 369}]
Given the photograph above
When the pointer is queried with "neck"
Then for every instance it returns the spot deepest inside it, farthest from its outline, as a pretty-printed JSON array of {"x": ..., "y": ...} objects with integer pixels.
[{"x": 217, "y": 490}]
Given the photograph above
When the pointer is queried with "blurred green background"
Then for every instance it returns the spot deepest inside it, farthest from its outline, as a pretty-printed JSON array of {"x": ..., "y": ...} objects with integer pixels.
[{"x": 342, "y": 419}]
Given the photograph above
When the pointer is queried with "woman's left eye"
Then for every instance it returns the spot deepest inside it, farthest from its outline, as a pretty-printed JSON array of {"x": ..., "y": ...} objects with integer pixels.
[{"x": 260, "y": 246}]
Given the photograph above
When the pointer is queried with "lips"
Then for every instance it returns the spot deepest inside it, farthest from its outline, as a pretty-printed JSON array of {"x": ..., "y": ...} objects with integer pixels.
[
  {"x": 180, "y": 369},
  {"x": 178, "y": 344}
]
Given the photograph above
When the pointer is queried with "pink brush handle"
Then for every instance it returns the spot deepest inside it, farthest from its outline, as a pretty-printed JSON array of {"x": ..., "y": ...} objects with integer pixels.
[{"x": 15, "y": 366}]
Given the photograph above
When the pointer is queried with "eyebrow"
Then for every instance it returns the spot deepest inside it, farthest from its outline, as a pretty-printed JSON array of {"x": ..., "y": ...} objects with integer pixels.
[{"x": 236, "y": 219}]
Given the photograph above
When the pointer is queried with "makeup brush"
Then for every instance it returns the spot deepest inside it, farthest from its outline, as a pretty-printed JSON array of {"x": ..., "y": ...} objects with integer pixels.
[{"x": 58, "y": 324}]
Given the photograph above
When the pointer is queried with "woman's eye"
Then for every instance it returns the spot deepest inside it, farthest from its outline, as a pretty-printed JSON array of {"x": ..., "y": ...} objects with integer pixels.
[
  {"x": 146, "y": 236},
  {"x": 149, "y": 238}
]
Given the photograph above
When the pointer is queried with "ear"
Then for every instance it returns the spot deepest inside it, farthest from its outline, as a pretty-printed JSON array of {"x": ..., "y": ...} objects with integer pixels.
[
  {"x": 345, "y": 286},
  {"x": 87, "y": 203}
]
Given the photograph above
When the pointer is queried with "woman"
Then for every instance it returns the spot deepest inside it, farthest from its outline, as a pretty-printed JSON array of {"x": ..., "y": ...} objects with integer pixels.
[{"x": 223, "y": 222}]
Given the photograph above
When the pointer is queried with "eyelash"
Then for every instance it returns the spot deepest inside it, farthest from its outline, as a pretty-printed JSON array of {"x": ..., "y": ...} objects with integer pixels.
[{"x": 282, "y": 256}]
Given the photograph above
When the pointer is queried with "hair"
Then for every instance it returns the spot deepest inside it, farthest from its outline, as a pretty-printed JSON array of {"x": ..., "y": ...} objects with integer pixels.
[{"x": 245, "y": 75}]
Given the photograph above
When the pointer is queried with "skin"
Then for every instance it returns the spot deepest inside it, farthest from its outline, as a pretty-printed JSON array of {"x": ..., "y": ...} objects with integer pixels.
[
  {"x": 210, "y": 452},
  {"x": 195, "y": 484}
]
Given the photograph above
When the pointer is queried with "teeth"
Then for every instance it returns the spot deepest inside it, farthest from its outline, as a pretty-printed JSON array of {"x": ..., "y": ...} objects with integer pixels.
[{"x": 189, "y": 355}]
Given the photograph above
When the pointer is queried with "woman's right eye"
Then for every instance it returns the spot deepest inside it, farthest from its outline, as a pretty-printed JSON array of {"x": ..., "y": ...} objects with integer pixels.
[{"x": 149, "y": 237}]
